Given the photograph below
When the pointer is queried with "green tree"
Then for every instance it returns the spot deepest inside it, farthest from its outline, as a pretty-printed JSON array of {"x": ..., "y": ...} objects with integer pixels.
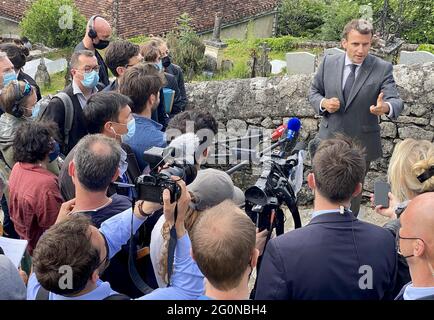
[
  {"x": 301, "y": 18},
  {"x": 338, "y": 13},
  {"x": 54, "y": 23},
  {"x": 186, "y": 47}
]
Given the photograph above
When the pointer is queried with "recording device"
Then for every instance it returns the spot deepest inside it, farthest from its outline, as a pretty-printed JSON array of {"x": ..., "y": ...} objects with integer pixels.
[
  {"x": 381, "y": 194},
  {"x": 150, "y": 187},
  {"x": 274, "y": 187}
]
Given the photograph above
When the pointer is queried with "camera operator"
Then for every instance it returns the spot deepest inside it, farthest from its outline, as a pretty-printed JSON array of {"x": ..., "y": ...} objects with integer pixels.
[
  {"x": 210, "y": 188},
  {"x": 90, "y": 249},
  {"x": 107, "y": 113},
  {"x": 336, "y": 256},
  {"x": 142, "y": 84}
]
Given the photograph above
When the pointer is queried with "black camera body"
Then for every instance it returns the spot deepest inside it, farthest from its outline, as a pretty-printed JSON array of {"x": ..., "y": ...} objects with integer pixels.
[{"x": 150, "y": 187}]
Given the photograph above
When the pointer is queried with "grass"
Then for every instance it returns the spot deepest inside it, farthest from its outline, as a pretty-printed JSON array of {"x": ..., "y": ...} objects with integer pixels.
[{"x": 57, "y": 84}]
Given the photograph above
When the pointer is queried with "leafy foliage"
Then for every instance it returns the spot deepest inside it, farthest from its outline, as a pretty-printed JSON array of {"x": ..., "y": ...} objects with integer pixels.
[
  {"x": 186, "y": 47},
  {"x": 54, "y": 23}
]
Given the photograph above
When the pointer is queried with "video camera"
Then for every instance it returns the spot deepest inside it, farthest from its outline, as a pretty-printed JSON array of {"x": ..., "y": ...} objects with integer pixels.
[
  {"x": 150, "y": 186},
  {"x": 279, "y": 181}
]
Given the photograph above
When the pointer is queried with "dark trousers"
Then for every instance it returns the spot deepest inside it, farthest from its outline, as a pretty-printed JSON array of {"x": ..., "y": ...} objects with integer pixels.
[{"x": 355, "y": 202}]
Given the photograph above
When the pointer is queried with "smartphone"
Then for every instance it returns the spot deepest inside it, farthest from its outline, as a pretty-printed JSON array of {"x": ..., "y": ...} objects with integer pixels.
[{"x": 381, "y": 191}]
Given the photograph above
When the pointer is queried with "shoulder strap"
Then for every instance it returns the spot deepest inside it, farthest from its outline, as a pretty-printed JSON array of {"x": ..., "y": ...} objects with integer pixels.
[
  {"x": 42, "y": 294},
  {"x": 44, "y": 102},
  {"x": 117, "y": 296},
  {"x": 69, "y": 114},
  {"x": 134, "y": 274}
]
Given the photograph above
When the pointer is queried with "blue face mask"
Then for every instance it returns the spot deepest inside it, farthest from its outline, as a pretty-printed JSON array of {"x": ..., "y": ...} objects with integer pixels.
[
  {"x": 8, "y": 77},
  {"x": 131, "y": 125},
  {"x": 159, "y": 65},
  {"x": 35, "y": 110},
  {"x": 90, "y": 79},
  {"x": 55, "y": 153}
]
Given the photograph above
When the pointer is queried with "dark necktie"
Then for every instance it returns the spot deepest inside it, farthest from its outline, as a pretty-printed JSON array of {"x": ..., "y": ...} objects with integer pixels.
[{"x": 349, "y": 83}]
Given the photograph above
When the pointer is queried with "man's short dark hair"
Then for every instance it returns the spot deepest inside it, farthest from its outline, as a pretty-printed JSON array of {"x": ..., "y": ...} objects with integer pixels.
[
  {"x": 360, "y": 25},
  {"x": 201, "y": 119},
  {"x": 139, "y": 83},
  {"x": 338, "y": 166},
  {"x": 96, "y": 160},
  {"x": 76, "y": 56},
  {"x": 16, "y": 54},
  {"x": 103, "y": 107},
  {"x": 33, "y": 141},
  {"x": 67, "y": 243},
  {"x": 119, "y": 53}
]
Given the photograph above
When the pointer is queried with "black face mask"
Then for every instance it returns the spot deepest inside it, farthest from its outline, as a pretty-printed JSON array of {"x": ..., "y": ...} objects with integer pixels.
[
  {"x": 102, "y": 44},
  {"x": 166, "y": 61}
]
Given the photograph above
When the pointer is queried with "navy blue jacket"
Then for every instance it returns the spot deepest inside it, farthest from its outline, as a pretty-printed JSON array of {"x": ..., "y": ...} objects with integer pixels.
[{"x": 322, "y": 260}]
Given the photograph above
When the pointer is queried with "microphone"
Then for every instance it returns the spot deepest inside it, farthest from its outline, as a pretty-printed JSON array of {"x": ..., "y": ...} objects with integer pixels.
[
  {"x": 278, "y": 132},
  {"x": 294, "y": 125}
]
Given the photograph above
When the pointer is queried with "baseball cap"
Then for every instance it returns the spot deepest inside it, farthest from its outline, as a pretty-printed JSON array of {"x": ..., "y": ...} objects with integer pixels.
[{"x": 211, "y": 187}]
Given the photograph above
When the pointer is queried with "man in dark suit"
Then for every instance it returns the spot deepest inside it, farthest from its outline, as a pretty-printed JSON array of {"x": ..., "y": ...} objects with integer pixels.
[
  {"x": 84, "y": 71},
  {"x": 352, "y": 90},
  {"x": 336, "y": 256}
]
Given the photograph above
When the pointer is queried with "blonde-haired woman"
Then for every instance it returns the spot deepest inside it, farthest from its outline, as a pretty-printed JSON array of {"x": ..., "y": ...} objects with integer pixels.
[{"x": 410, "y": 173}]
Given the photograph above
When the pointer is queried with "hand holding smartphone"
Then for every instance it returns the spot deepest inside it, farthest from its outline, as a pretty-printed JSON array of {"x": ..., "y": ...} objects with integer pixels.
[{"x": 381, "y": 194}]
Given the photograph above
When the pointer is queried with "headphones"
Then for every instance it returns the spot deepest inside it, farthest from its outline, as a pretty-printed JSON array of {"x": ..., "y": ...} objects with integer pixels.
[
  {"x": 16, "y": 110},
  {"x": 92, "y": 33}
]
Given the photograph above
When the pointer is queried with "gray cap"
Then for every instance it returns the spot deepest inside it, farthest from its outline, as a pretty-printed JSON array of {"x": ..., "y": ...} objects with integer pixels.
[{"x": 211, "y": 187}]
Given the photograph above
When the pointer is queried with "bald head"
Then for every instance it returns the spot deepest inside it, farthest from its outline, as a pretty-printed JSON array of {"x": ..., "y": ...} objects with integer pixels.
[
  {"x": 223, "y": 243},
  {"x": 418, "y": 218},
  {"x": 96, "y": 162},
  {"x": 102, "y": 28}
]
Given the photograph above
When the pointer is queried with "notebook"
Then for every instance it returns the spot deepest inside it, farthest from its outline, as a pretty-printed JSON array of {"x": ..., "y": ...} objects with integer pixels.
[
  {"x": 169, "y": 96},
  {"x": 14, "y": 249}
]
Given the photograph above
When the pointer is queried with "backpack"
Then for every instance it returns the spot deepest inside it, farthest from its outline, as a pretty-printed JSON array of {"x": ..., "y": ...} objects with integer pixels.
[{"x": 69, "y": 112}]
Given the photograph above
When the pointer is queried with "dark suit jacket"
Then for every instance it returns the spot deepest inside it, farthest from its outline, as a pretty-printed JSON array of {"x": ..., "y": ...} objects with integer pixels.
[
  {"x": 178, "y": 105},
  {"x": 354, "y": 119},
  {"x": 56, "y": 112},
  {"x": 321, "y": 261},
  {"x": 179, "y": 76}
]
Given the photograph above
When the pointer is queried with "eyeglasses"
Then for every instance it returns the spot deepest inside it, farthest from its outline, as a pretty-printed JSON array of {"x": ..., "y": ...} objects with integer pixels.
[
  {"x": 398, "y": 247},
  {"x": 90, "y": 69}
]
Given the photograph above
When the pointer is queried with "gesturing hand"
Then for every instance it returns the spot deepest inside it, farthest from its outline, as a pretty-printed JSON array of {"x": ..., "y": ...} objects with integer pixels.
[
  {"x": 331, "y": 105},
  {"x": 381, "y": 107}
]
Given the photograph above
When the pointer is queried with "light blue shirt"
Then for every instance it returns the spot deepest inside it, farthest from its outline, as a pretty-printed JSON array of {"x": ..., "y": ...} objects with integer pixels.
[
  {"x": 148, "y": 134},
  {"x": 187, "y": 281},
  {"x": 320, "y": 212},
  {"x": 413, "y": 293}
]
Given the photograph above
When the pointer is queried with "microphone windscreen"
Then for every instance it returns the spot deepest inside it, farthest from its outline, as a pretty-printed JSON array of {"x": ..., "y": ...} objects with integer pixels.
[{"x": 294, "y": 124}]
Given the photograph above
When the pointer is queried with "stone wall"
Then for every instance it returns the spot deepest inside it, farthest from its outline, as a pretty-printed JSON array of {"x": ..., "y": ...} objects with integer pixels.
[{"x": 266, "y": 102}]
